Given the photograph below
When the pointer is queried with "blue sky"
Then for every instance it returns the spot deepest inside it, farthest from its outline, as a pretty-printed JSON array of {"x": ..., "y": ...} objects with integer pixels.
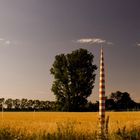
[{"x": 33, "y": 32}]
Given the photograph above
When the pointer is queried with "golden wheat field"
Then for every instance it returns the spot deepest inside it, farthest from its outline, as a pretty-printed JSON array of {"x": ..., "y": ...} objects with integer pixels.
[{"x": 33, "y": 122}]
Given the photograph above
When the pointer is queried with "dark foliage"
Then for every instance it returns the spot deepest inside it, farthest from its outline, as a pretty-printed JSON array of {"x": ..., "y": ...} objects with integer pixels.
[
  {"x": 26, "y": 105},
  {"x": 121, "y": 101},
  {"x": 74, "y": 76},
  {"x": 115, "y": 102}
]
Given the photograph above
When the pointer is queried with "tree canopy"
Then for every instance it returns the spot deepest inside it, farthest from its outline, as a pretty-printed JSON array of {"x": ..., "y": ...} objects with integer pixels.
[
  {"x": 120, "y": 101},
  {"x": 74, "y": 75}
]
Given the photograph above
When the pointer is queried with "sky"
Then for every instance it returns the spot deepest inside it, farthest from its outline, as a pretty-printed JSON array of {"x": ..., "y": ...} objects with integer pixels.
[{"x": 33, "y": 32}]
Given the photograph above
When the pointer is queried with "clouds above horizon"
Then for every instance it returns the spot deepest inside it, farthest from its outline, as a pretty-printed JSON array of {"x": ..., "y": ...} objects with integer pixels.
[
  {"x": 93, "y": 41},
  {"x": 5, "y": 42}
]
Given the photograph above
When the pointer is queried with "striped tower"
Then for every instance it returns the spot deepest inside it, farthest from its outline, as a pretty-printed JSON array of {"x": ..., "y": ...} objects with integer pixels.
[{"x": 102, "y": 93}]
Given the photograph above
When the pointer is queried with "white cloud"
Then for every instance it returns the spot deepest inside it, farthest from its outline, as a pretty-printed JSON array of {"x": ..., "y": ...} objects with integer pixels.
[
  {"x": 1, "y": 39},
  {"x": 93, "y": 41},
  {"x": 7, "y": 42}
]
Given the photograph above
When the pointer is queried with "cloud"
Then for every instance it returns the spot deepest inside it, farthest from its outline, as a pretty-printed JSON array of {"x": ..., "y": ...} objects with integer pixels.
[
  {"x": 138, "y": 44},
  {"x": 93, "y": 41},
  {"x": 5, "y": 42},
  {"x": 1, "y": 39}
]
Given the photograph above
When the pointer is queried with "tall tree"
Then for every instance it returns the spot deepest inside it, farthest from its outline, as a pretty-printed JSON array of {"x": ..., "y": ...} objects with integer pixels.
[{"x": 74, "y": 76}]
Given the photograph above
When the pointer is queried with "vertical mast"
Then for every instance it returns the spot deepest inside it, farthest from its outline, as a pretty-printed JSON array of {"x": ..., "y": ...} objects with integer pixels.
[{"x": 102, "y": 92}]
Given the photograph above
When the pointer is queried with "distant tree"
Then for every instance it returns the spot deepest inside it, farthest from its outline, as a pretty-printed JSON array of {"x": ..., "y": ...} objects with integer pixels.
[
  {"x": 1, "y": 103},
  {"x": 30, "y": 105},
  {"x": 16, "y": 104},
  {"x": 110, "y": 104},
  {"x": 122, "y": 100},
  {"x": 47, "y": 105},
  {"x": 23, "y": 104},
  {"x": 9, "y": 104},
  {"x": 96, "y": 106},
  {"x": 91, "y": 107},
  {"x": 138, "y": 106},
  {"x": 2, "y": 100},
  {"x": 36, "y": 104},
  {"x": 42, "y": 105},
  {"x": 74, "y": 76},
  {"x": 52, "y": 106}
]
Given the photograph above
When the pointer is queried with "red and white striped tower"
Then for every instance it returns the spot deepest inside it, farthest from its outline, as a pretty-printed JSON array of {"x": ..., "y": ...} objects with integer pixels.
[{"x": 102, "y": 93}]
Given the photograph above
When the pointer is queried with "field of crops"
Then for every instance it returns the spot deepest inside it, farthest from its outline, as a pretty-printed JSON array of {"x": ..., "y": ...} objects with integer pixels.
[{"x": 29, "y": 123}]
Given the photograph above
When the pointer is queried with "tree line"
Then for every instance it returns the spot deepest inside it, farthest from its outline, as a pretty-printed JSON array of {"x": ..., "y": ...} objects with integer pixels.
[
  {"x": 117, "y": 101},
  {"x": 26, "y": 105}
]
